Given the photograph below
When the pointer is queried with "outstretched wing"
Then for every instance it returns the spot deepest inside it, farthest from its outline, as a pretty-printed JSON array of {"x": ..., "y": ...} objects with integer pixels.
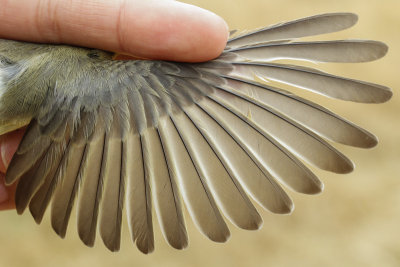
[{"x": 148, "y": 133}]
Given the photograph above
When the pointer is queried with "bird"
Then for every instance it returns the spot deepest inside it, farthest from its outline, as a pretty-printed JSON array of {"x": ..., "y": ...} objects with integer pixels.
[{"x": 117, "y": 139}]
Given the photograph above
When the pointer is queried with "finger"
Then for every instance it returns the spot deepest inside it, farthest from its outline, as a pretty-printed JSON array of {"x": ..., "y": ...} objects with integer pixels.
[
  {"x": 154, "y": 29},
  {"x": 8, "y": 145}
]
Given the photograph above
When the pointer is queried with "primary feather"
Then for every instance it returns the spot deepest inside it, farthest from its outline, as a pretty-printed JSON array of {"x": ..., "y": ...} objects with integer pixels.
[{"x": 135, "y": 135}]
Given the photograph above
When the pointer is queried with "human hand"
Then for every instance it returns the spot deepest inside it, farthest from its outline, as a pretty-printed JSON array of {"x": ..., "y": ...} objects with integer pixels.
[{"x": 150, "y": 29}]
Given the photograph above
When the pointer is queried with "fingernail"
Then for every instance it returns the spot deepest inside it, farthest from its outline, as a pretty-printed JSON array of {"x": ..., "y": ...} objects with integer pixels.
[
  {"x": 6, "y": 155},
  {"x": 3, "y": 154},
  {"x": 227, "y": 29}
]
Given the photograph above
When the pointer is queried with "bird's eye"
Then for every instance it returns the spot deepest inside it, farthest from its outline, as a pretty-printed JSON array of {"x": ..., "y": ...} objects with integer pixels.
[{"x": 93, "y": 54}]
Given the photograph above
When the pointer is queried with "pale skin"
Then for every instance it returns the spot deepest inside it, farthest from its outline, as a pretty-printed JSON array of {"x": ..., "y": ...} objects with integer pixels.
[{"x": 150, "y": 29}]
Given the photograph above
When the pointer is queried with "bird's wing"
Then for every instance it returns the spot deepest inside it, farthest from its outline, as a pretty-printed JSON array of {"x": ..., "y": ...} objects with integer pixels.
[{"x": 147, "y": 134}]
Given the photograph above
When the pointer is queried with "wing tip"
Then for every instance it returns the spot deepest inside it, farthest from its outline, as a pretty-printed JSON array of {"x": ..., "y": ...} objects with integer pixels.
[
  {"x": 346, "y": 168},
  {"x": 11, "y": 173},
  {"x": 112, "y": 246},
  {"x": 252, "y": 224},
  {"x": 60, "y": 231},
  {"x": 316, "y": 188},
  {"x": 220, "y": 236},
  {"x": 282, "y": 206},
  {"x": 88, "y": 240},
  {"x": 379, "y": 95},
  {"x": 19, "y": 209},
  {"x": 9, "y": 179},
  {"x": 145, "y": 249},
  {"x": 311, "y": 187},
  {"x": 350, "y": 15},
  {"x": 383, "y": 49},
  {"x": 179, "y": 245},
  {"x": 352, "y": 18},
  {"x": 286, "y": 209},
  {"x": 387, "y": 95},
  {"x": 37, "y": 216},
  {"x": 21, "y": 203},
  {"x": 370, "y": 141}
]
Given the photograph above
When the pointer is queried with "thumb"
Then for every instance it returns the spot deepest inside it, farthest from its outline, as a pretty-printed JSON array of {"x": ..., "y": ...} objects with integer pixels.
[{"x": 8, "y": 145}]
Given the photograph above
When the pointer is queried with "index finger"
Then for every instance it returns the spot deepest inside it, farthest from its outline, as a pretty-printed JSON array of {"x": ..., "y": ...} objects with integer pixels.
[{"x": 154, "y": 29}]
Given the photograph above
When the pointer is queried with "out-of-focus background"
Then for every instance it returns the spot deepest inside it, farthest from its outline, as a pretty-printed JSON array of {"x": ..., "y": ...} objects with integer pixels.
[{"x": 355, "y": 222}]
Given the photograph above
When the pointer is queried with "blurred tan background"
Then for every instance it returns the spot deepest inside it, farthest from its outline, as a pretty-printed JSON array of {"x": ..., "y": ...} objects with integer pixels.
[{"x": 355, "y": 222}]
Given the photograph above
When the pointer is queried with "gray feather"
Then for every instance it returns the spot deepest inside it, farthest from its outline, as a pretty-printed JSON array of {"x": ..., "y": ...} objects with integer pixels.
[
  {"x": 137, "y": 134},
  {"x": 319, "y": 24},
  {"x": 41, "y": 181},
  {"x": 260, "y": 185},
  {"x": 297, "y": 139},
  {"x": 305, "y": 112},
  {"x": 316, "y": 81},
  {"x": 227, "y": 192},
  {"x": 195, "y": 192},
  {"x": 264, "y": 150},
  {"x": 91, "y": 190},
  {"x": 328, "y": 51},
  {"x": 111, "y": 207},
  {"x": 42, "y": 197},
  {"x": 164, "y": 191},
  {"x": 66, "y": 190},
  {"x": 138, "y": 196}
]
